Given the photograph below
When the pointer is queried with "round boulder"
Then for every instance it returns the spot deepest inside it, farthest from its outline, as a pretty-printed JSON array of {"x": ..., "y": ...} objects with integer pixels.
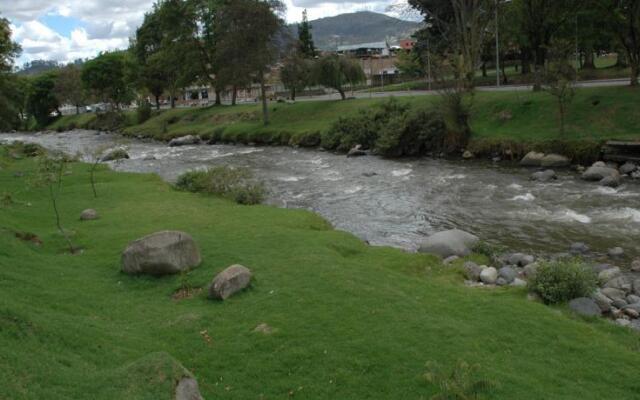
[
  {"x": 532, "y": 159},
  {"x": 184, "y": 141},
  {"x": 489, "y": 275},
  {"x": 115, "y": 154},
  {"x": 599, "y": 173},
  {"x": 543, "y": 176},
  {"x": 616, "y": 252},
  {"x": 449, "y": 243},
  {"x": 608, "y": 274},
  {"x": 89, "y": 215},
  {"x": 554, "y": 160},
  {"x": 628, "y": 168},
  {"x": 585, "y": 306},
  {"x": 230, "y": 281},
  {"x": 612, "y": 181},
  {"x": 162, "y": 253},
  {"x": 472, "y": 271},
  {"x": 508, "y": 274}
]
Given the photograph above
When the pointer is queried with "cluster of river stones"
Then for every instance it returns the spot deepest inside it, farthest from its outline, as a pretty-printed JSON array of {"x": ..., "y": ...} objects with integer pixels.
[
  {"x": 607, "y": 174},
  {"x": 617, "y": 297}
]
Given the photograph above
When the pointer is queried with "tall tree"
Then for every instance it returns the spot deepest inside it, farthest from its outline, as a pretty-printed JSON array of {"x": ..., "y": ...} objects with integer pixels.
[
  {"x": 305, "y": 39},
  {"x": 335, "y": 72},
  {"x": 109, "y": 77},
  {"x": 295, "y": 73},
  {"x": 68, "y": 87},
  {"x": 8, "y": 48},
  {"x": 623, "y": 18},
  {"x": 42, "y": 101},
  {"x": 12, "y": 88},
  {"x": 147, "y": 42}
]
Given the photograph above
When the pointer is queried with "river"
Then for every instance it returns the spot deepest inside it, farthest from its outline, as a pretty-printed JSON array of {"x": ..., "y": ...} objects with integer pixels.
[{"x": 399, "y": 202}]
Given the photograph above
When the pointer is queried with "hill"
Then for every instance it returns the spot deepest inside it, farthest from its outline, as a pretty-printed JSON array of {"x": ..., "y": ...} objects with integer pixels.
[{"x": 359, "y": 27}]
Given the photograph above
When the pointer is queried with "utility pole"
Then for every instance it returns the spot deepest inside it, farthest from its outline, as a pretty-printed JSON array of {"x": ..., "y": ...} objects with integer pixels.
[
  {"x": 429, "y": 61},
  {"x": 497, "y": 44}
]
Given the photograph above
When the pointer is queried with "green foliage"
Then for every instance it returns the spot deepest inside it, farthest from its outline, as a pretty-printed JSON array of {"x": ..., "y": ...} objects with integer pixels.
[
  {"x": 461, "y": 383},
  {"x": 143, "y": 113},
  {"x": 336, "y": 72},
  {"x": 295, "y": 73},
  {"x": 305, "y": 39},
  {"x": 8, "y": 48},
  {"x": 42, "y": 101},
  {"x": 236, "y": 184},
  {"x": 69, "y": 88},
  {"x": 109, "y": 77},
  {"x": 560, "y": 281},
  {"x": 409, "y": 64}
]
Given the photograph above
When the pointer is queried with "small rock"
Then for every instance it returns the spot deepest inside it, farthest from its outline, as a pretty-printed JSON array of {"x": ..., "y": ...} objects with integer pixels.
[
  {"x": 473, "y": 270},
  {"x": 616, "y": 252},
  {"x": 184, "y": 141},
  {"x": 467, "y": 155},
  {"x": 621, "y": 282},
  {"x": 187, "y": 389},
  {"x": 543, "y": 176},
  {"x": 149, "y": 158},
  {"x": 614, "y": 294},
  {"x": 532, "y": 159},
  {"x": 449, "y": 260},
  {"x": 635, "y": 265},
  {"x": 619, "y": 303},
  {"x": 634, "y": 306},
  {"x": 554, "y": 160},
  {"x": 489, "y": 275},
  {"x": 518, "y": 283},
  {"x": 602, "y": 301},
  {"x": 623, "y": 322},
  {"x": 610, "y": 181},
  {"x": 636, "y": 287},
  {"x": 519, "y": 259},
  {"x": 369, "y": 174},
  {"x": 501, "y": 282},
  {"x": 530, "y": 270},
  {"x": 230, "y": 281},
  {"x": 597, "y": 173},
  {"x": 356, "y": 151},
  {"x": 635, "y": 175},
  {"x": 608, "y": 274},
  {"x": 508, "y": 274},
  {"x": 632, "y": 313},
  {"x": 264, "y": 329},
  {"x": 597, "y": 268},
  {"x": 115, "y": 154},
  {"x": 599, "y": 164},
  {"x": 89, "y": 215},
  {"x": 579, "y": 248},
  {"x": 617, "y": 313},
  {"x": 627, "y": 168},
  {"x": 585, "y": 306},
  {"x": 632, "y": 299},
  {"x": 496, "y": 159}
]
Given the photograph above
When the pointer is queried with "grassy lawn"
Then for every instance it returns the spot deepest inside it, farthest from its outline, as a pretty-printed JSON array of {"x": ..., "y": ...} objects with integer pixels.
[{"x": 351, "y": 321}]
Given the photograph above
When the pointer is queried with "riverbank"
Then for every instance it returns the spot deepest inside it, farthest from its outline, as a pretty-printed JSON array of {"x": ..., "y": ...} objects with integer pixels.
[
  {"x": 349, "y": 320},
  {"x": 505, "y": 123}
]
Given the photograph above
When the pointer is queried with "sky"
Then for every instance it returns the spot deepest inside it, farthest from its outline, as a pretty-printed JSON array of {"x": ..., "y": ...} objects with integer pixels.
[{"x": 65, "y": 30}]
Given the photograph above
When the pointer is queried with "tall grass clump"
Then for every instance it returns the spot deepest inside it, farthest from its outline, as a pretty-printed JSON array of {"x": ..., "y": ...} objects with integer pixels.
[
  {"x": 561, "y": 281},
  {"x": 237, "y": 184}
]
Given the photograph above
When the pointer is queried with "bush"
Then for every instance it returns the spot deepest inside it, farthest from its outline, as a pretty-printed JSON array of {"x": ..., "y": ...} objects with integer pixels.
[
  {"x": 414, "y": 133},
  {"x": 143, "y": 113},
  {"x": 110, "y": 121},
  {"x": 236, "y": 184},
  {"x": 561, "y": 281}
]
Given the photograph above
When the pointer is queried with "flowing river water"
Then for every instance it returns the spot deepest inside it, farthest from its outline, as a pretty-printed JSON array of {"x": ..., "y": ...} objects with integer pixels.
[{"x": 398, "y": 203}]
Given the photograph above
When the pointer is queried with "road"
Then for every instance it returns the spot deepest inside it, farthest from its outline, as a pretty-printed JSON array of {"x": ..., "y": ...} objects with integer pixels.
[{"x": 507, "y": 88}]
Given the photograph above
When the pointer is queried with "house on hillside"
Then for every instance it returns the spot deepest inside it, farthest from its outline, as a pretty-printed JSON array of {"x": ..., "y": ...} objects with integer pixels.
[{"x": 366, "y": 49}]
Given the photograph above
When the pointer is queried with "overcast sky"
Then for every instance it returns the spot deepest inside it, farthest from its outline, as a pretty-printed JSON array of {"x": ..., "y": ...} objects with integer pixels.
[{"x": 66, "y": 30}]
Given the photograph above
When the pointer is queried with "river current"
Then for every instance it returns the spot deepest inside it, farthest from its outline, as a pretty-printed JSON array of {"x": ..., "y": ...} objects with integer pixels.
[{"x": 399, "y": 202}]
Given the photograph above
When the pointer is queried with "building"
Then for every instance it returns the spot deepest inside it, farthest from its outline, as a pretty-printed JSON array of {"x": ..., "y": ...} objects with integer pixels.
[
  {"x": 407, "y": 44},
  {"x": 366, "y": 49}
]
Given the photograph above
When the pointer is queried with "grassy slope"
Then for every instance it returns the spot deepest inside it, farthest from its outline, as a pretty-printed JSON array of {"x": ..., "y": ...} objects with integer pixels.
[
  {"x": 353, "y": 321},
  {"x": 534, "y": 118}
]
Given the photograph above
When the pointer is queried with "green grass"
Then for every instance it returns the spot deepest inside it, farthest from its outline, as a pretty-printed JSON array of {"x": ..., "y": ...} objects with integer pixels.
[{"x": 352, "y": 321}]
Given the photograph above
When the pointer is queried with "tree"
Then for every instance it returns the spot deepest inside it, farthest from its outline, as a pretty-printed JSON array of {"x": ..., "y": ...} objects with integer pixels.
[
  {"x": 12, "y": 87},
  {"x": 41, "y": 101},
  {"x": 335, "y": 72},
  {"x": 109, "y": 76},
  {"x": 458, "y": 30},
  {"x": 295, "y": 73},
  {"x": 68, "y": 87},
  {"x": 409, "y": 64},
  {"x": 560, "y": 77},
  {"x": 8, "y": 48},
  {"x": 623, "y": 18},
  {"x": 147, "y": 42},
  {"x": 305, "y": 39}
]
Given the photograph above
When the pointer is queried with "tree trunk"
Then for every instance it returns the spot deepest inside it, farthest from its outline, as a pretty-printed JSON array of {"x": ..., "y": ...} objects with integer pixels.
[
  {"x": 635, "y": 71},
  {"x": 293, "y": 94},
  {"x": 589, "y": 60},
  {"x": 341, "y": 91},
  {"x": 622, "y": 60},
  {"x": 505, "y": 79},
  {"x": 265, "y": 108},
  {"x": 173, "y": 101},
  {"x": 234, "y": 95},
  {"x": 218, "y": 99},
  {"x": 77, "y": 109},
  {"x": 484, "y": 69},
  {"x": 157, "y": 102},
  {"x": 525, "y": 58}
]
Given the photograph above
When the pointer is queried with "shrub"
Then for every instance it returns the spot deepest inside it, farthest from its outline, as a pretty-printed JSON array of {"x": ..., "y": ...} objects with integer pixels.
[
  {"x": 110, "y": 121},
  {"x": 143, "y": 113},
  {"x": 561, "y": 281},
  {"x": 236, "y": 184},
  {"x": 413, "y": 133}
]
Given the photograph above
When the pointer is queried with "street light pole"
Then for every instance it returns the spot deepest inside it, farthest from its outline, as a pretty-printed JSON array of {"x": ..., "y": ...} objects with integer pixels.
[{"x": 497, "y": 45}]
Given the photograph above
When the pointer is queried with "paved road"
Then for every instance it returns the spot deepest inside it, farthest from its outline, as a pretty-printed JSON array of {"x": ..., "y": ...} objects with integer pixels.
[{"x": 507, "y": 88}]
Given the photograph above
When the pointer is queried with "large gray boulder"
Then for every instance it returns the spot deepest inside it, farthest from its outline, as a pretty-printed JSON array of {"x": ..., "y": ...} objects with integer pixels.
[
  {"x": 532, "y": 159},
  {"x": 187, "y": 389},
  {"x": 612, "y": 181},
  {"x": 184, "y": 141},
  {"x": 230, "y": 281},
  {"x": 508, "y": 274},
  {"x": 602, "y": 301},
  {"x": 614, "y": 294},
  {"x": 599, "y": 173},
  {"x": 585, "y": 306},
  {"x": 162, "y": 253},
  {"x": 608, "y": 274},
  {"x": 628, "y": 168},
  {"x": 554, "y": 160},
  {"x": 621, "y": 282},
  {"x": 544, "y": 176},
  {"x": 472, "y": 271},
  {"x": 449, "y": 243}
]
